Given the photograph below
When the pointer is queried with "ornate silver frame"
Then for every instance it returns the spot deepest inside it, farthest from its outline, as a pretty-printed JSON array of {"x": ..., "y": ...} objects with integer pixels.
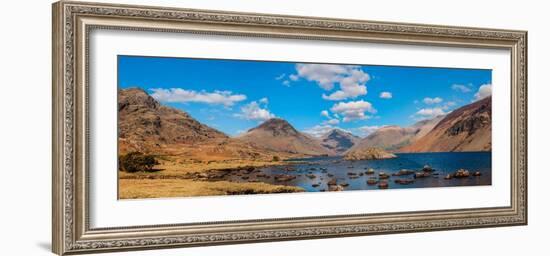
[{"x": 72, "y": 21}]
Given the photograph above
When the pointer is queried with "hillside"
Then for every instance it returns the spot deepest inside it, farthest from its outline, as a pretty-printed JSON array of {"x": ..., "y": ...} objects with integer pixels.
[
  {"x": 147, "y": 126},
  {"x": 393, "y": 137},
  {"x": 144, "y": 123},
  {"x": 278, "y": 135},
  {"x": 338, "y": 141},
  {"x": 465, "y": 129}
]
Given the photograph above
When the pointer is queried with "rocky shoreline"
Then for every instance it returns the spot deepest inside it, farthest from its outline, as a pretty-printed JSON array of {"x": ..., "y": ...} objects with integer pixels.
[
  {"x": 380, "y": 178},
  {"x": 284, "y": 177}
]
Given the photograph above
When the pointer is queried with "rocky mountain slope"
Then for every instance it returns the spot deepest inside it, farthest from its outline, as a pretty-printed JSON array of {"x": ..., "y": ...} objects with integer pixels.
[
  {"x": 278, "y": 135},
  {"x": 465, "y": 129},
  {"x": 143, "y": 122},
  {"x": 147, "y": 126},
  {"x": 394, "y": 137},
  {"x": 338, "y": 141}
]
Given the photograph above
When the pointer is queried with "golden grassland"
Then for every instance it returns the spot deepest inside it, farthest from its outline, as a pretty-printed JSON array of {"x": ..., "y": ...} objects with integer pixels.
[
  {"x": 171, "y": 179},
  {"x": 172, "y": 167},
  {"x": 158, "y": 188}
]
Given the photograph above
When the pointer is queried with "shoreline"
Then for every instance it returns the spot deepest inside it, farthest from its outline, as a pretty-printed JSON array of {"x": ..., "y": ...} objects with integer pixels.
[
  {"x": 233, "y": 177},
  {"x": 173, "y": 179}
]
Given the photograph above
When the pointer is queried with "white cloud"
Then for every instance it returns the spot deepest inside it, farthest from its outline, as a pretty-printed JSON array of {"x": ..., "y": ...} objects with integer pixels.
[
  {"x": 333, "y": 121},
  {"x": 294, "y": 77},
  {"x": 264, "y": 100},
  {"x": 320, "y": 130},
  {"x": 282, "y": 77},
  {"x": 484, "y": 91},
  {"x": 253, "y": 111},
  {"x": 353, "y": 110},
  {"x": 430, "y": 112},
  {"x": 364, "y": 131},
  {"x": 350, "y": 86},
  {"x": 351, "y": 79},
  {"x": 386, "y": 95},
  {"x": 324, "y": 74},
  {"x": 430, "y": 101},
  {"x": 448, "y": 105},
  {"x": 461, "y": 88},
  {"x": 226, "y": 98}
]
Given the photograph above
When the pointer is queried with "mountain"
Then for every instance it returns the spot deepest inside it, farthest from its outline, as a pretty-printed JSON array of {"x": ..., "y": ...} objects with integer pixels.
[
  {"x": 465, "y": 129},
  {"x": 394, "y": 137},
  {"x": 143, "y": 122},
  {"x": 425, "y": 126},
  {"x": 278, "y": 135},
  {"x": 147, "y": 126},
  {"x": 338, "y": 141}
]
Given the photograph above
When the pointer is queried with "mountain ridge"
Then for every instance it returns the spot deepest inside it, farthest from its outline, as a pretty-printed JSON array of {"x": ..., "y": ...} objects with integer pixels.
[
  {"x": 146, "y": 125},
  {"x": 394, "y": 137},
  {"x": 278, "y": 135},
  {"x": 467, "y": 128},
  {"x": 143, "y": 122},
  {"x": 338, "y": 140}
]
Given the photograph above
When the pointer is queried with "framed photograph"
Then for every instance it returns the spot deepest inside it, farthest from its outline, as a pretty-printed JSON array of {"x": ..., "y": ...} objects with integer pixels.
[{"x": 178, "y": 127}]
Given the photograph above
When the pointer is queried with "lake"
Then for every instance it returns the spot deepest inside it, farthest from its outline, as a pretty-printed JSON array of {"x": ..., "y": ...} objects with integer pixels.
[{"x": 313, "y": 174}]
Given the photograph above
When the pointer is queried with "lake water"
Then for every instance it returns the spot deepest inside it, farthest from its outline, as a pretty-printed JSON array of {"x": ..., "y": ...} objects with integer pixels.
[{"x": 312, "y": 174}]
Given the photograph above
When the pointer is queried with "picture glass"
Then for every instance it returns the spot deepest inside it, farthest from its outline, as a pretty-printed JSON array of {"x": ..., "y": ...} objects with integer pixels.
[{"x": 212, "y": 127}]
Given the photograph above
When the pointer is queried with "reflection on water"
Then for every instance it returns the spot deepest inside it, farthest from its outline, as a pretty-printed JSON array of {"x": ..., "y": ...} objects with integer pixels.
[{"x": 313, "y": 174}]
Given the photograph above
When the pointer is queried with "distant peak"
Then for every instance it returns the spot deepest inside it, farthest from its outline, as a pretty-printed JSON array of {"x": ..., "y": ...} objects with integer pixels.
[
  {"x": 336, "y": 130},
  {"x": 135, "y": 96},
  {"x": 275, "y": 120},
  {"x": 274, "y": 123},
  {"x": 339, "y": 131},
  {"x": 277, "y": 125},
  {"x": 387, "y": 127},
  {"x": 134, "y": 90}
]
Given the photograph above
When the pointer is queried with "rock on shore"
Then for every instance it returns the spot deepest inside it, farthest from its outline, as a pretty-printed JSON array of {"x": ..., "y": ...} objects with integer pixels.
[{"x": 368, "y": 154}]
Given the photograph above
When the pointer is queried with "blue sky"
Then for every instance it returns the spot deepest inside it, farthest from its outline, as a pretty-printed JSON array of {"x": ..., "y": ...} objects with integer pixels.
[{"x": 234, "y": 96}]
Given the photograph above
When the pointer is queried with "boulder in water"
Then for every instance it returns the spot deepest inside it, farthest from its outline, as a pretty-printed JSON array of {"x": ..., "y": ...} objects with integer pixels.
[
  {"x": 311, "y": 176},
  {"x": 462, "y": 173},
  {"x": 403, "y": 172},
  {"x": 284, "y": 177},
  {"x": 383, "y": 184},
  {"x": 421, "y": 175},
  {"x": 383, "y": 175},
  {"x": 335, "y": 188},
  {"x": 372, "y": 181},
  {"x": 427, "y": 168},
  {"x": 404, "y": 181}
]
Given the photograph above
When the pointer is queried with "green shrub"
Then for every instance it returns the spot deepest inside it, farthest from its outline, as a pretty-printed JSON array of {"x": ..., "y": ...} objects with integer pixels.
[{"x": 136, "y": 162}]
